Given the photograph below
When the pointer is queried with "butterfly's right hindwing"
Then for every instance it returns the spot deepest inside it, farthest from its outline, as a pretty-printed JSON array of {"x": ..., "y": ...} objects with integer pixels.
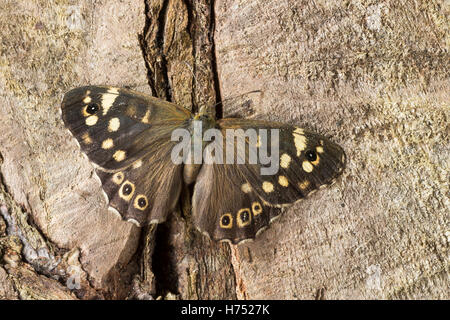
[{"x": 226, "y": 208}]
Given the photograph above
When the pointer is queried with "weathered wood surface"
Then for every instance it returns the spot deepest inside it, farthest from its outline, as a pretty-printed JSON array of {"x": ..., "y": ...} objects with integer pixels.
[{"x": 373, "y": 76}]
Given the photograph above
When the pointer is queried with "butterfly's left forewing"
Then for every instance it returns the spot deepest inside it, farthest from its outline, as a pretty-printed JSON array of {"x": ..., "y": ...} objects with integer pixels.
[{"x": 115, "y": 126}]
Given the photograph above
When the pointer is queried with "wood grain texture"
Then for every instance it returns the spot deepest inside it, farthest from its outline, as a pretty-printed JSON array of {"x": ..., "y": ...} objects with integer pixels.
[
  {"x": 48, "y": 49},
  {"x": 372, "y": 76}
]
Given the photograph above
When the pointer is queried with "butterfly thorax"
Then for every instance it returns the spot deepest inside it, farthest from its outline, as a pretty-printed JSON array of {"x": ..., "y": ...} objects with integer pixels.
[
  {"x": 199, "y": 123},
  {"x": 206, "y": 119}
]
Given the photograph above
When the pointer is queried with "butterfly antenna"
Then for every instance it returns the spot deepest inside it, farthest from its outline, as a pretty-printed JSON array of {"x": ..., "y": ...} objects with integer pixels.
[
  {"x": 236, "y": 96},
  {"x": 190, "y": 68},
  {"x": 224, "y": 100},
  {"x": 192, "y": 72}
]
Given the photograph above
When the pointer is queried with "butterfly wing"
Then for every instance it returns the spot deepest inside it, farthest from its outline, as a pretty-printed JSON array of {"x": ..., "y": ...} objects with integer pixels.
[
  {"x": 224, "y": 206},
  {"x": 306, "y": 162},
  {"x": 144, "y": 192},
  {"x": 115, "y": 126},
  {"x": 127, "y": 135}
]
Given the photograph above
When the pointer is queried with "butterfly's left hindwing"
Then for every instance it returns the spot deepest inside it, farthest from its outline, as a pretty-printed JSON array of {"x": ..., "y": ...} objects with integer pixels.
[
  {"x": 127, "y": 135},
  {"x": 144, "y": 192}
]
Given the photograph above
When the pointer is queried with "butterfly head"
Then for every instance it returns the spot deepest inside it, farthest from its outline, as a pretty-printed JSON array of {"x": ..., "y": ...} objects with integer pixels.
[{"x": 205, "y": 118}]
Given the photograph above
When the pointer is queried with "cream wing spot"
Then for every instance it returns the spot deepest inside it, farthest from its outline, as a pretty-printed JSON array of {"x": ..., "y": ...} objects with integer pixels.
[
  {"x": 86, "y": 138},
  {"x": 87, "y": 100},
  {"x": 307, "y": 166},
  {"x": 113, "y": 125},
  {"x": 119, "y": 155},
  {"x": 283, "y": 181},
  {"x": 299, "y": 140},
  {"x": 137, "y": 164},
  {"x": 246, "y": 188},
  {"x": 107, "y": 101},
  {"x": 285, "y": 160},
  {"x": 118, "y": 177},
  {"x": 303, "y": 185},
  {"x": 91, "y": 120},
  {"x": 146, "y": 118},
  {"x": 107, "y": 144},
  {"x": 267, "y": 187}
]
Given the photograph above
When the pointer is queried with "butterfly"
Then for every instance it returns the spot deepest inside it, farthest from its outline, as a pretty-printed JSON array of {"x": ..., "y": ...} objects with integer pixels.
[{"x": 128, "y": 137}]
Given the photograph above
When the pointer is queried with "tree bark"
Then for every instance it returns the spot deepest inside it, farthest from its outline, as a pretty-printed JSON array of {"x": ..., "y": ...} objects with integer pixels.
[{"x": 373, "y": 77}]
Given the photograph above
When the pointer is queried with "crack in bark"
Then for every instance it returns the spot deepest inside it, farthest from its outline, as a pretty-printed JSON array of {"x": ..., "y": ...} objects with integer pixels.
[
  {"x": 191, "y": 31},
  {"x": 160, "y": 40},
  {"x": 156, "y": 66},
  {"x": 212, "y": 29},
  {"x": 143, "y": 45},
  {"x": 163, "y": 261},
  {"x": 161, "y": 264}
]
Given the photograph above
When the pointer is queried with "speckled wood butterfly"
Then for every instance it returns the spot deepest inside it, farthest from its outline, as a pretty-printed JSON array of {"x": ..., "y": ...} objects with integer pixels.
[{"x": 128, "y": 137}]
